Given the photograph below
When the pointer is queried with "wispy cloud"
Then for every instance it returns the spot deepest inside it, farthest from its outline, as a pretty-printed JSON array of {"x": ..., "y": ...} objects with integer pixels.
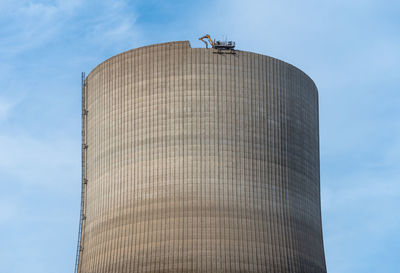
[
  {"x": 44, "y": 45},
  {"x": 28, "y": 24},
  {"x": 349, "y": 48},
  {"x": 114, "y": 27}
]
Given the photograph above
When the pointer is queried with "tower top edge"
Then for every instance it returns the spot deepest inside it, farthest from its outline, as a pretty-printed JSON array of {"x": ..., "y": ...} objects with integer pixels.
[{"x": 182, "y": 45}]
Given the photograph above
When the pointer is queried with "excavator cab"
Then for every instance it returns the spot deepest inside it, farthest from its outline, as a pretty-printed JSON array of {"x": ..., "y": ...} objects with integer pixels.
[{"x": 224, "y": 45}]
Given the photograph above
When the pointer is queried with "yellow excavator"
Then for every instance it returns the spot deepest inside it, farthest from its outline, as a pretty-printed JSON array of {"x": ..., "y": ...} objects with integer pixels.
[{"x": 217, "y": 44}]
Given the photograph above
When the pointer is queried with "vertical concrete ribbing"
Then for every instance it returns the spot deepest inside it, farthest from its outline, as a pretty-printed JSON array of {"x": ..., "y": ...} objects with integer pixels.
[{"x": 202, "y": 162}]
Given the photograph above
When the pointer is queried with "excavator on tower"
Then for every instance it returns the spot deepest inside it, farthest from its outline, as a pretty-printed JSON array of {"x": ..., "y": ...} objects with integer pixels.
[{"x": 220, "y": 45}]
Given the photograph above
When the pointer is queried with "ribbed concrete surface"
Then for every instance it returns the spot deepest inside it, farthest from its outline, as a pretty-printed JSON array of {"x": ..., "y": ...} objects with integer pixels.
[{"x": 201, "y": 162}]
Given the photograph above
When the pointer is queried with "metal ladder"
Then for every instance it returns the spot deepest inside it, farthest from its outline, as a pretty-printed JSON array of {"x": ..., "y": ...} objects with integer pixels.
[{"x": 82, "y": 218}]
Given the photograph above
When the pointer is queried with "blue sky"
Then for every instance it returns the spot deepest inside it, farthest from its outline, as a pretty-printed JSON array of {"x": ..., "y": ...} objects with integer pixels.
[{"x": 350, "y": 48}]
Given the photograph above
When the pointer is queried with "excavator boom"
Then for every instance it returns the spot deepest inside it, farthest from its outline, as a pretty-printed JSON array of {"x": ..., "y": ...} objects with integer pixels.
[{"x": 209, "y": 40}]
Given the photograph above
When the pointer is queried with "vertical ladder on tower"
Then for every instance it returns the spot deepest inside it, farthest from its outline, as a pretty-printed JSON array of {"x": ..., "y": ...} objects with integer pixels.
[{"x": 82, "y": 218}]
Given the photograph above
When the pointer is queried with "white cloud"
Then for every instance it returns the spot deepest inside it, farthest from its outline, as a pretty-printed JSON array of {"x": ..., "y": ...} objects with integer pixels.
[
  {"x": 30, "y": 24},
  {"x": 347, "y": 47},
  {"x": 114, "y": 27}
]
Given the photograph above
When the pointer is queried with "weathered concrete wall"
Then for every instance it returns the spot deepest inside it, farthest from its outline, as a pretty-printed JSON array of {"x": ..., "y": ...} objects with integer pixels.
[{"x": 201, "y": 162}]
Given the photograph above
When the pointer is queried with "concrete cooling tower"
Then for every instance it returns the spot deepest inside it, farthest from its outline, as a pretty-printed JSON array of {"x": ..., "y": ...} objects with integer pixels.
[{"x": 199, "y": 160}]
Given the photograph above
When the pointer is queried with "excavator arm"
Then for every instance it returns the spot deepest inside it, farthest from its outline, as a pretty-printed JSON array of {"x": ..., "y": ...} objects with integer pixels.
[{"x": 209, "y": 40}]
